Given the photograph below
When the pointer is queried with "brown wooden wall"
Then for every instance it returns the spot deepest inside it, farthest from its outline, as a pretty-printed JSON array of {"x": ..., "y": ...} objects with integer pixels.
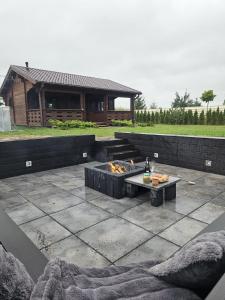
[
  {"x": 16, "y": 98},
  {"x": 19, "y": 100}
]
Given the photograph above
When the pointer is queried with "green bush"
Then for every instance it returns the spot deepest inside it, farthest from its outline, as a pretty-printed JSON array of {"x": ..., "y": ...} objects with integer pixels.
[
  {"x": 201, "y": 119},
  {"x": 70, "y": 124},
  {"x": 179, "y": 116},
  {"x": 147, "y": 124},
  {"x": 195, "y": 118},
  {"x": 122, "y": 123}
]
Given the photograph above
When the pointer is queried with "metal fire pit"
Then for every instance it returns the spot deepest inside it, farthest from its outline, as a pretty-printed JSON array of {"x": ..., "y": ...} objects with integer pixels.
[{"x": 101, "y": 179}]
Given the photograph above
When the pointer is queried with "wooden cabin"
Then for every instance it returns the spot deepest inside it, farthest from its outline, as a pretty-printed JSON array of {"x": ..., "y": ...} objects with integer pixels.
[{"x": 35, "y": 96}]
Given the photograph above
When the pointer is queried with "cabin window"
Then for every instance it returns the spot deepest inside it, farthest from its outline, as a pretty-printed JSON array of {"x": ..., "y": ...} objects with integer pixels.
[
  {"x": 111, "y": 103},
  {"x": 62, "y": 100},
  {"x": 32, "y": 99},
  {"x": 94, "y": 103}
]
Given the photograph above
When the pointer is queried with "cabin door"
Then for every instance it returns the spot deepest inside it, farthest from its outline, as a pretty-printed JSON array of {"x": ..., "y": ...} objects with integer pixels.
[{"x": 95, "y": 108}]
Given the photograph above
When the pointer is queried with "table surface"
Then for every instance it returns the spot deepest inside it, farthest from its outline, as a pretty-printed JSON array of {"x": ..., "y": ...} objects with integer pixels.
[{"x": 138, "y": 180}]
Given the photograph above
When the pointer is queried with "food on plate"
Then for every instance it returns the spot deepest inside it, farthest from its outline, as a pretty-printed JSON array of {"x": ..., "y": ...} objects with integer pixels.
[{"x": 160, "y": 177}]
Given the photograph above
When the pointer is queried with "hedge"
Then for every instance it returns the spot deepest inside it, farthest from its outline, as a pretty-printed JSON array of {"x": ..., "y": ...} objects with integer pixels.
[{"x": 181, "y": 117}]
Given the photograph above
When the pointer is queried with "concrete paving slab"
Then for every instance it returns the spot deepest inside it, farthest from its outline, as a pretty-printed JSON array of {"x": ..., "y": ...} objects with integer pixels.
[
  {"x": 80, "y": 216},
  {"x": 24, "y": 213},
  {"x": 156, "y": 248},
  {"x": 75, "y": 251},
  {"x": 116, "y": 206},
  {"x": 154, "y": 219},
  {"x": 183, "y": 231},
  {"x": 44, "y": 231},
  {"x": 208, "y": 213},
  {"x": 114, "y": 237}
]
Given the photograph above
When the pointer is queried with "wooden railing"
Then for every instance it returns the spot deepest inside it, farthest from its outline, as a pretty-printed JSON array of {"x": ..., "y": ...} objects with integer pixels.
[
  {"x": 64, "y": 114},
  {"x": 118, "y": 115},
  {"x": 97, "y": 117},
  {"x": 34, "y": 117}
]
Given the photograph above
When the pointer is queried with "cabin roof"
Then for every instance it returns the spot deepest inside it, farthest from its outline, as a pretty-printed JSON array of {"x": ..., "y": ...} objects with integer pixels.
[{"x": 58, "y": 78}]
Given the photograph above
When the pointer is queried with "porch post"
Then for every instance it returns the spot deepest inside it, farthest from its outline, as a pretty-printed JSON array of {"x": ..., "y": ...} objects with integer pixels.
[
  {"x": 25, "y": 98},
  {"x": 42, "y": 108},
  {"x": 106, "y": 106},
  {"x": 132, "y": 109},
  {"x": 106, "y": 103},
  {"x": 82, "y": 106},
  {"x": 13, "y": 106}
]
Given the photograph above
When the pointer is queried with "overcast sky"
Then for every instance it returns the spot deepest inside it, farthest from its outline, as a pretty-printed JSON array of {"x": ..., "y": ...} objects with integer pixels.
[{"x": 156, "y": 46}]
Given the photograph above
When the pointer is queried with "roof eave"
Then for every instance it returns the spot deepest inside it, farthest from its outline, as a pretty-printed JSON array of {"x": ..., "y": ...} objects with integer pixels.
[
  {"x": 133, "y": 92},
  {"x": 15, "y": 69},
  {"x": 12, "y": 68}
]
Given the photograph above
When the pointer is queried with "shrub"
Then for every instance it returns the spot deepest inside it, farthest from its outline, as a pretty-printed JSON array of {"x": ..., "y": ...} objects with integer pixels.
[
  {"x": 147, "y": 124},
  {"x": 122, "y": 123},
  {"x": 71, "y": 124},
  {"x": 141, "y": 117},
  {"x": 179, "y": 116},
  {"x": 201, "y": 119},
  {"x": 137, "y": 116},
  {"x": 145, "y": 116},
  {"x": 195, "y": 118}
]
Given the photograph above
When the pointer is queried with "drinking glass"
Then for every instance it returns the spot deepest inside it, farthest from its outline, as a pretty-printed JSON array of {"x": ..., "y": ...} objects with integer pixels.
[{"x": 152, "y": 166}]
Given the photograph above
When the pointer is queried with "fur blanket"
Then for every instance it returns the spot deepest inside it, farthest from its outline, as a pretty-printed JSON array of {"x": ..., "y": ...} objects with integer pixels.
[
  {"x": 15, "y": 282},
  {"x": 65, "y": 281}
]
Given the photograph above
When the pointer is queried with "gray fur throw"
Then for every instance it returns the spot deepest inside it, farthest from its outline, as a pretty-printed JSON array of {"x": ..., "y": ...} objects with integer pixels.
[
  {"x": 198, "y": 265},
  {"x": 15, "y": 282},
  {"x": 65, "y": 281}
]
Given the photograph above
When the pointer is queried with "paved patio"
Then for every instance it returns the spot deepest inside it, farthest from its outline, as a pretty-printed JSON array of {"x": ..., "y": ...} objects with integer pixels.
[{"x": 63, "y": 218}]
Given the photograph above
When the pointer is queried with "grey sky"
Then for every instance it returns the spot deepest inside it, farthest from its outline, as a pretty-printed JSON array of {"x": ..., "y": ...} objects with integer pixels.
[{"x": 156, "y": 46}]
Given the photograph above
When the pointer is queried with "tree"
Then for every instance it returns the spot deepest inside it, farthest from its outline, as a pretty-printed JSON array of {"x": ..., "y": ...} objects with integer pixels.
[
  {"x": 139, "y": 103},
  {"x": 153, "y": 105},
  {"x": 209, "y": 116},
  {"x": 145, "y": 117},
  {"x": 220, "y": 121},
  {"x": 223, "y": 102},
  {"x": 156, "y": 117},
  {"x": 195, "y": 102},
  {"x": 153, "y": 117},
  {"x": 184, "y": 101},
  {"x": 195, "y": 118},
  {"x": 137, "y": 116},
  {"x": 180, "y": 101},
  {"x": 148, "y": 117},
  {"x": 207, "y": 96},
  {"x": 141, "y": 117},
  {"x": 202, "y": 118},
  {"x": 214, "y": 118},
  {"x": 190, "y": 117}
]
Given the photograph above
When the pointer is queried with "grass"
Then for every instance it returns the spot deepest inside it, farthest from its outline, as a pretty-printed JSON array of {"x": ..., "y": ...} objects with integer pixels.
[{"x": 197, "y": 130}]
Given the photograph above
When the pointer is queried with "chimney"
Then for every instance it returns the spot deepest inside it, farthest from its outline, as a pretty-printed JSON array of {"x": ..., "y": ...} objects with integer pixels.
[{"x": 27, "y": 65}]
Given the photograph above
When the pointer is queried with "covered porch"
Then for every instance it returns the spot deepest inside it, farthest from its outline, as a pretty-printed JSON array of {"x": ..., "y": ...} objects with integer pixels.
[{"x": 67, "y": 104}]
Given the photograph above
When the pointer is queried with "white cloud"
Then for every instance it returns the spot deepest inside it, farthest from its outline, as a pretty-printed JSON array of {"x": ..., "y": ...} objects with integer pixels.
[{"x": 156, "y": 46}]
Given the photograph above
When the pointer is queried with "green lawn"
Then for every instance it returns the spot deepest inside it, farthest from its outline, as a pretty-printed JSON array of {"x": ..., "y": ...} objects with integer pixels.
[{"x": 198, "y": 130}]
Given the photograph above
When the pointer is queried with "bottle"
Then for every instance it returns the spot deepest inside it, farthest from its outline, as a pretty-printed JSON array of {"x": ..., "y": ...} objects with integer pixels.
[{"x": 147, "y": 165}]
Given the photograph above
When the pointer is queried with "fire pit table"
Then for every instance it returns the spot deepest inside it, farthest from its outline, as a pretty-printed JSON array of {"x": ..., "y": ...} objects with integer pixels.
[
  {"x": 158, "y": 194},
  {"x": 109, "y": 178}
]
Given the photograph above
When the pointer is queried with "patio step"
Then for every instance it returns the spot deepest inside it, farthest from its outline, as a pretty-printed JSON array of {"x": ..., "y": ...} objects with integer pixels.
[
  {"x": 135, "y": 159},
  {"x": 111, "y": 142},
  {"x": 125, "y": 154},
  {"x": 119, "y": 148},
  {"x": 101, "y": 124},
  {"x": 116, "y": 149}
]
